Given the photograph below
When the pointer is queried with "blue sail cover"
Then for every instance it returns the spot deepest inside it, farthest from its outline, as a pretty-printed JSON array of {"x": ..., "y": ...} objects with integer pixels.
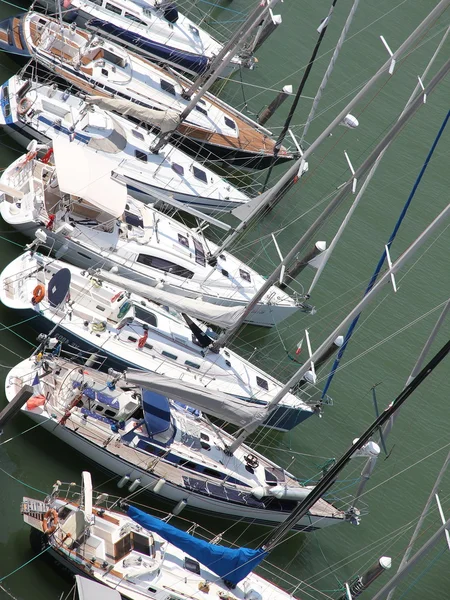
[{"x": 231, "y": 564}]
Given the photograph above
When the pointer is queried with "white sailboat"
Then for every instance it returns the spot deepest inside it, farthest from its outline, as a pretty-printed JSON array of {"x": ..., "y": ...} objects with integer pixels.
[
  {"x": 93, "y": 223},
  {"x": 149, "y": 442},
  {"x": 163, "y": 34},
  {"x": 213, "y": 129},
  {"x": 138, "y": 555},
  {"x": 41, "y": 111},
  {"x": 126, "y": 331}
]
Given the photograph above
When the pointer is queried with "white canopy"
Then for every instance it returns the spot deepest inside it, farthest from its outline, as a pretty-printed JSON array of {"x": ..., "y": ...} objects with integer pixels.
[
  {"x": 214, "y": 403},
  {"x": 222, "y": 316},
  {"x": 166, "y": 120},
  {"x": 92, "y": 590},
  {"x": 85, "y": 173}
]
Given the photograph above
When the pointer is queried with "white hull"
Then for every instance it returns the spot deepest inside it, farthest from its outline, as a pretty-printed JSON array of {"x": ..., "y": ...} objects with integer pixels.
[{"x": 196, "y": 502}]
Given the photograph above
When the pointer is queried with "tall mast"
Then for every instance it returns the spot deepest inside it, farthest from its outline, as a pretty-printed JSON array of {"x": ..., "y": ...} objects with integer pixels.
[
  {"x": 327, "y": 481},
  {"x": 218, "y": 65},
  {"x": 418, "y": 242},
  {"x": 337, "y": 200},
  {"x": 253, "y": 208},
  {"x": 321, "y": 31}
]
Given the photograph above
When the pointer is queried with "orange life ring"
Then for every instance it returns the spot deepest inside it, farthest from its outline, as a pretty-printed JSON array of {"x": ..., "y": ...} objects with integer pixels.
[
  {"x": 50, "y": 515},
  {"x": 38, "y": 294},
  {"x": 24, "y": 105}
]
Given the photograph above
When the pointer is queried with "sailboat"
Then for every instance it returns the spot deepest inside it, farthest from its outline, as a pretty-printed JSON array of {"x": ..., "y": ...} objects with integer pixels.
[
  {"x": 41, "y": 111},
  {"x": 213, "y": 130},
  {"x": 94, "y": 223},
  {"x": 150, "y": 442},
  {"x": 125, "y": 330},
  {"x": 162, "y": 34},
  {"x": 137, "y": 554}
]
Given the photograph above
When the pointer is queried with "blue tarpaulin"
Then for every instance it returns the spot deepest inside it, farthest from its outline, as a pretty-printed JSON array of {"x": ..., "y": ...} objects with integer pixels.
[{"x": 232, "y": 564}]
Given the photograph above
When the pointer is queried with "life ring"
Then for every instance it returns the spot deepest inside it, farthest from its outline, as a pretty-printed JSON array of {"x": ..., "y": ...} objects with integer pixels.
[
  {"x": 24, "y": 105},
  {"x": 38, "y": 294},
  {"x": 251, "y": 461},
  {"x": 50, "y": 522}
]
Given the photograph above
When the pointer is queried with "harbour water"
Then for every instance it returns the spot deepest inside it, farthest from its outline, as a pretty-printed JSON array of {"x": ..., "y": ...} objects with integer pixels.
[{"x": 389, "y": 336}]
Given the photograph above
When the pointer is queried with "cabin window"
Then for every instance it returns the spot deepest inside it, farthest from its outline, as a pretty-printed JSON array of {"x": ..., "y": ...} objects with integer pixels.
[
  {"x": 123, "y": 547},
  {"x": 97, "y": 2},
  {"x": 178, "y": 169},
  {"x": 110, "y": 413},
  {"x": 169, "y": 355},
  {"x": 99, "y": 408},
  {"x": 114, "y": 9},
  {"x": 101, "y": 308},
  {"x": 141, "y": 543},
  {"x": 105, "y": 72},
  {"x": 245, "y": 275},
  {"x": 262, "y": 383},
  {"x": 133, "y": 18},
  {"x": 137, "y": 134},
  {"x": 225, "y": 273},
  {"x": 199, "y": 253},
  {"x": 204, "y": 436},
  {"x": 132, "y": 339},
  {"x": 191, "y": 565},
  {"x": 230, "y": 123},
  {"x": 194, "y": 30},
  {"x": 201, "y": 110},
  {"x": 183, "y": 240},
  {"x": 168, "y": 87},
  {"x": 188, "y": 464},
  {"x": 140, "y": 155},
  {"x": 146, "y": 316},
  {"x": 211, "y": 473},
  {"x": 201, "y": 101},
  {"x": 164, "y": 265},
  {"x": 189, "y": 363},
  {"x": 199, "y": 174},
  {"x": 205, "y": 446}
]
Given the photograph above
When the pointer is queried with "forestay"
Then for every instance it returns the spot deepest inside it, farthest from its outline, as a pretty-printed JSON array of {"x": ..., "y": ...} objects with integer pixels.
[
  {"x": 222, "y": 316},
  {"x": 166, "y": 120},
  {"x": 231, "y": 564}
]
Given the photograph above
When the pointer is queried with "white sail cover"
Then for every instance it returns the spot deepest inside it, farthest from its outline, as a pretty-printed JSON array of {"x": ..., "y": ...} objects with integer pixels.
[
  {"x": 222, "y": 316},
  {"x": 87, "y": 174},
  {"x": 166, "y": 120},
  {"x": 214, "y": 403}
]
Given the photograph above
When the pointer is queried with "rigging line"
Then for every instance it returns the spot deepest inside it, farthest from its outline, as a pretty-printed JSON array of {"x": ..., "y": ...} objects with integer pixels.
[
  {"x": 25, "y": 564},
  {"x": 26, "y": 431},
  {"x": 379, "y": 266}
]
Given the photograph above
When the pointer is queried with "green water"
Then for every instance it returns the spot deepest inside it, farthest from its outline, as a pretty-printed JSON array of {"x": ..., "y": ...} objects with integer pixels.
[{"x": 419, "y": 444}]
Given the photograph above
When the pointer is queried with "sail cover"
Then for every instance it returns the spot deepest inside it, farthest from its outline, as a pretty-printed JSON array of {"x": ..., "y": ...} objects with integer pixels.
[
  {"x": 165, "y": 120},
  {"x": 87, "y": 174},
  {"x": 231, "y": 564},
  {"x": 215, "y": 403},
  {"x": 222, "y": 316}
]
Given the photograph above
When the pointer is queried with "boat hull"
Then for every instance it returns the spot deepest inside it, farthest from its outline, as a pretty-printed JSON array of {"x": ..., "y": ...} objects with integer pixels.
[
  {"x": 283, "y": 419},
  {"x": 196, "y": 502}
]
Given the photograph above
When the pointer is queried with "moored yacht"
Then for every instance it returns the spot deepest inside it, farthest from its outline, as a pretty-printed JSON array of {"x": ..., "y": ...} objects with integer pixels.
[
  {"x": 162, "y": 34},
  {"x": 150, "y": 443},
  {"x": 41, "y": 111},
  {"x": 122, "y": 328},
  {"x": 90, "y": 220},
  {"x": 213, "y": 130}
]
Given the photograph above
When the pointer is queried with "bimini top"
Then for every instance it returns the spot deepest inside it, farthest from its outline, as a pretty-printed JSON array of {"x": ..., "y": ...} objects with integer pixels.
[
  {"x": 87, "y": 174},
  {"x": 156, "y": 412},
  {"x": 232, "y": 564}
]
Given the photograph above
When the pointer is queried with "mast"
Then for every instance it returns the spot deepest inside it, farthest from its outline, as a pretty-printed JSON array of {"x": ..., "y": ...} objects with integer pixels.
[
  {"x": 321, "y": 31},
  {"x": 348, "y": 319},
  {"x": 329, "y": 70},
  {"x": 217, "y": 66},
  {"x": 337, "y": 200},
  {"x": 401, "y": 573},
  {"x": 254, "y": 208},
  {"x": 327, "y": 481}
]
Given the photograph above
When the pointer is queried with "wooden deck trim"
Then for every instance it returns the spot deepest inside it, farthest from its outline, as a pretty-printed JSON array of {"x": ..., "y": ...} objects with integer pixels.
[{"x": 15, "y": 30}]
